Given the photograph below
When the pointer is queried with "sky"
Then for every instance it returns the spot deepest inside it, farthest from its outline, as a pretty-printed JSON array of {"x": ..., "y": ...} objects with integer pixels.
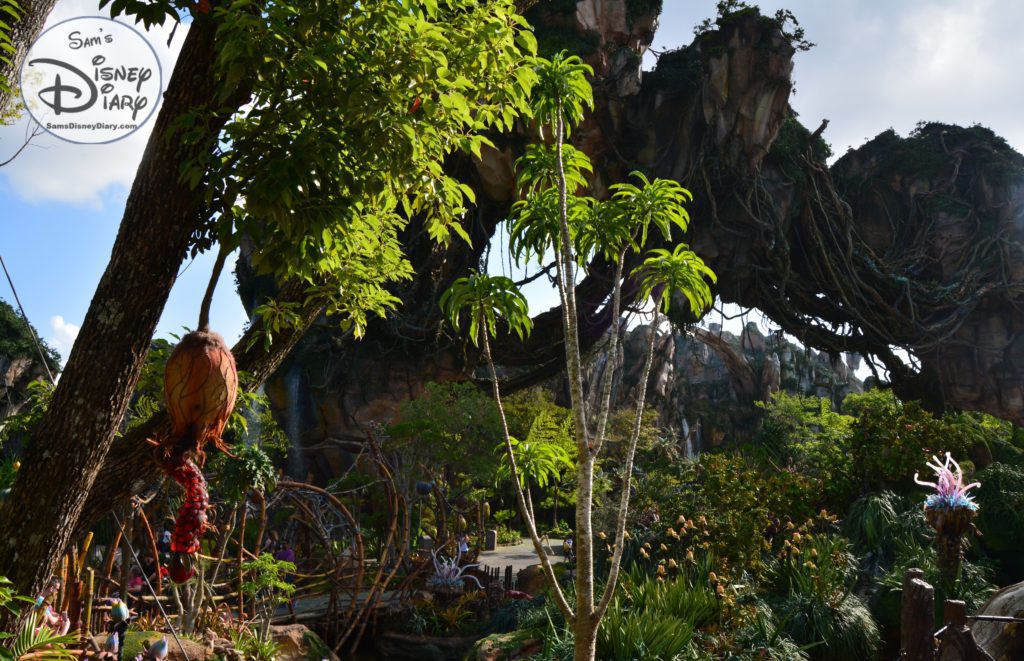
[{"x": 875, "y": 65}]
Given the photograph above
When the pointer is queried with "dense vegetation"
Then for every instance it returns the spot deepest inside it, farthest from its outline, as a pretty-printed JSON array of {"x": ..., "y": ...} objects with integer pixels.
[{"x": 792, "y": 546}]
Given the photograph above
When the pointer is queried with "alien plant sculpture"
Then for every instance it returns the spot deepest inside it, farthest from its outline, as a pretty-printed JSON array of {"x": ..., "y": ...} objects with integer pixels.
[
  {"x": 448, "y": 576},
  {"x": 200, "y": 384},
  {"x": 950, "y": 511}
]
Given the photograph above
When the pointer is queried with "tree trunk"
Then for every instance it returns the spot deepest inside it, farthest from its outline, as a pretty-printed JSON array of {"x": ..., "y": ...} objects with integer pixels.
[
  {"x": 24, "y": 31},
  {"x": 68, "y": 446},
  {"x": 585, "y": 645},
  {"x": 584, "y": 545}
]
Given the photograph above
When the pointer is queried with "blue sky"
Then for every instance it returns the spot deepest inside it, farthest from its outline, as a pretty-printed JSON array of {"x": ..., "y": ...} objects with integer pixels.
[{"x": 876, "y": 65}]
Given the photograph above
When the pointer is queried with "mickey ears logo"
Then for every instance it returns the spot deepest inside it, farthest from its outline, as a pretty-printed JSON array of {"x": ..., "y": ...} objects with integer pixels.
[{"x": 91, "y": 80}]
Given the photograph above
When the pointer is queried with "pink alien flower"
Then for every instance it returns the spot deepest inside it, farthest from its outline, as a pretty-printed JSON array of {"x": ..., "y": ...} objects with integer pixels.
[{"x": 950, "y": 490}]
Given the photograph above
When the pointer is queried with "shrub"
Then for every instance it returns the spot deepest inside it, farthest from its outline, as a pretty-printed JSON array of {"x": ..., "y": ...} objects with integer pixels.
[
  {"x": 653, "y": 618},
  {"x": 1000, "y": 501},
  {"x": 815, "y": 573},
  {"x": 741, "y": 504},
  {"x": 872, "y": 522},
  {"x": 562, "y": 529},
  {"x": 892, "y": 439},
  {"x": 846, "y": 630},
  {"x": 805, "y": 433}
]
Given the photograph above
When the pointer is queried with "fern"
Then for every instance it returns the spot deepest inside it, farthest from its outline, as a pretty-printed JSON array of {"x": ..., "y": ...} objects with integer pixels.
[{"x": 30, "y": 639}]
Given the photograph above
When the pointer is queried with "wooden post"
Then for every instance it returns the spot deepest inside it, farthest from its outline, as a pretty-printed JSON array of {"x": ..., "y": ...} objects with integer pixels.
[
  {"x": 74, "y": 609},
  {"x": 90, "y": 580},
  {"x": 508, "y": 578},
  {"x": 954, "y": 613},
  {"x": 958, "y": 642},
  {"x": 917, "y": 618},
  {"x": 58, "y": 600}
]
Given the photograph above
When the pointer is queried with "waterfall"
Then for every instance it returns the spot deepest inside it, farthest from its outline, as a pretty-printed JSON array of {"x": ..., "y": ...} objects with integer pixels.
[
  {"x": 296, "y": 458},
  {"x": 691, "y": 445},
  {"x": 688, "y": 452}
]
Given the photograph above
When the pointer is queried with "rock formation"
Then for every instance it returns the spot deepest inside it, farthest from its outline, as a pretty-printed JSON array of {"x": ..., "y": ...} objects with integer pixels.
[
  {"x": 704, "y": 382},
  {"x": 906, "y": 243},
  {"x": 20, "y": 363}
]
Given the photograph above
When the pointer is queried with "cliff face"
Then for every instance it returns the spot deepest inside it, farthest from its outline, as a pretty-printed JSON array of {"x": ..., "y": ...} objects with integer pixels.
[
  {"x": 20, "y": 363},
  {"x": 15, "y": 375},
  {"x": 907, "y": 243},
  {"x": 704, "y": 382}
]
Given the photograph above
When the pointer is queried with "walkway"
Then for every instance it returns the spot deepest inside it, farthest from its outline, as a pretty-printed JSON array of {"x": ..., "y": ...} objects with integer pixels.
[{"x": 520, "y": 555}]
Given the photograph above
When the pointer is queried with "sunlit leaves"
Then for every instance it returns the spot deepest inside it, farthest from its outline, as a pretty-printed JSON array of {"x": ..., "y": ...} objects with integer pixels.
[
  {"x": 680, "y": 270},
  {"x": 354, "y": 107},
  {"x": 537, "y": 459},
  {"x": 535, "y": 224},
  {"x": 538, "y": 168},
  {"x": 654, "y": 204},
  {"x": 487, "y": 299},
  {"x": 562, "y": 91}
]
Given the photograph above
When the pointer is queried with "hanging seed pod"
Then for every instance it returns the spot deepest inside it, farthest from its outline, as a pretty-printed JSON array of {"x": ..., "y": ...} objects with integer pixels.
[
  {"x": 487, "y": 510},
  {"x": 462, "y": 522},
  {"x": 200, "y": 384}
]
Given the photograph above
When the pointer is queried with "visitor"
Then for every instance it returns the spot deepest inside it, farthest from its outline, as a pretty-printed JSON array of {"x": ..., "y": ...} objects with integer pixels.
[
  {"x": 568, "y": 549},
  {"x": 285, "y": 552},
  {"x": 149, "y": 567},
  {"x": 135, "y": 583},
  {"x": 164, "y": 545},
  {"x": 463, "y": 544}
]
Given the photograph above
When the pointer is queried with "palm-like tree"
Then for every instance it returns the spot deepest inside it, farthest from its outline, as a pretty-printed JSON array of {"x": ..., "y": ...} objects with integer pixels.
[
  {"x": 486, "y": 300},
  {"x": 679, "y": 270},
  {"x": 575, "y": 228},
  {"x": 539, "y": 461}
]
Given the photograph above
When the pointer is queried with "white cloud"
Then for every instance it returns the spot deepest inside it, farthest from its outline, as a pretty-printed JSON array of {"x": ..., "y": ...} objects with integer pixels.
[
  {"x": 51, "y": 169},
  {"x": 63, "y": 335}
]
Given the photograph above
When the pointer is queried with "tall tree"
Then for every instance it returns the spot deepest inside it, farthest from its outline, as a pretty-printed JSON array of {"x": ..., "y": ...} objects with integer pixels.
[
  {"x": 553, "y": 219},
  {"x": 349, "y": 123},
  {"x": 161, "y": 214}
]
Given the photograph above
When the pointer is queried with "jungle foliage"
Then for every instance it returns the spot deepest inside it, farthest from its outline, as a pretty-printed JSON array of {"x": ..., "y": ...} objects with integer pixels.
[{"x": 799, "y": 541}]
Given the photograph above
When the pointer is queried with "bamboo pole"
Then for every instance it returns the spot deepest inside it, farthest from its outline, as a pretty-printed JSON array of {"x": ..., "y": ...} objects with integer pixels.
[
  {"x": 83, "y": 556},
  {"x": 90, "y": 580},
  {"x": 108, "y": 567}
]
